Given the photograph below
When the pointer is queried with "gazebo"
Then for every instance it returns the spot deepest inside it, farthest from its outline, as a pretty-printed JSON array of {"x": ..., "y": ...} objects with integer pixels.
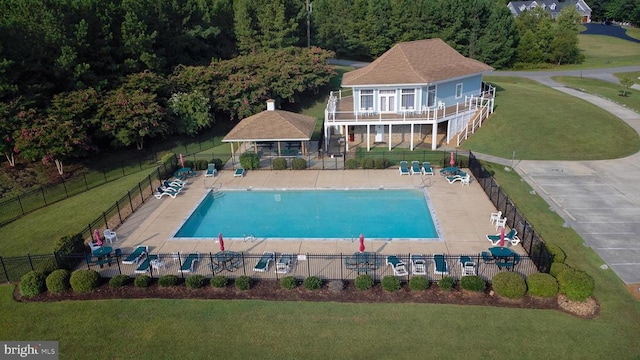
[{"x": 273, "y": 126}]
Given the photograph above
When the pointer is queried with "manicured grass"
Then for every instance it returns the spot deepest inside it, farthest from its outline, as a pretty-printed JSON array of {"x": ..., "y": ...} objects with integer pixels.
[
  {"x": 37, "y": 232},
  {"x": 606, "y": 51},
  {"x": 541, "y": 123},
  {"x": 605, "y": 89},
  {"x": 193, "y": 329}
]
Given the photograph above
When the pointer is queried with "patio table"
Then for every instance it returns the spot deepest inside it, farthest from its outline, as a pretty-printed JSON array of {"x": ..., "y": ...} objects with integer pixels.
[
  {"x": 501, "y": 253},
  {"x": 182, "y": 173},
  {"x": 227, "y": 260},
  {"x": 101, "y": 253}
]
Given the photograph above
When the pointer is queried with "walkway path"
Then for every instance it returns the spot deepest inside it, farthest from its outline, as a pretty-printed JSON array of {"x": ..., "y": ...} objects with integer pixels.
[{"x": 598, "y": 199}]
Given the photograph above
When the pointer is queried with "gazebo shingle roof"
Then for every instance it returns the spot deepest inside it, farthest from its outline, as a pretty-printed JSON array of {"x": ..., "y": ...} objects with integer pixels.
[
  {"x": 273, "y": 125},
  {"x": 415, "y": 62}
]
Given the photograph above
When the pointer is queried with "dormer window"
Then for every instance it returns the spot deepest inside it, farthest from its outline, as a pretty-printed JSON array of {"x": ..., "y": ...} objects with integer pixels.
[
  {"x": 544, "y": 6},
  {"x": 552, "y": 6},
  {"x": 523, "y": 8}
]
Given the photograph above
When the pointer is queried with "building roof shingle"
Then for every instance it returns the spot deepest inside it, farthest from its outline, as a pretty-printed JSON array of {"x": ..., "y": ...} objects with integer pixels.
[
  {"x": 273, "y": 125},
  {"x": 415, "y": 62}
]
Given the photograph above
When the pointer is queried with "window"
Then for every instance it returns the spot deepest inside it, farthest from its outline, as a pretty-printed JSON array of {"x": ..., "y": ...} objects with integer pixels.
[
  {"x": 458, "y": 91},
  {"x": 431, "y": 96},
  {"x": 366, "y": 99},
  {"x": 408, "y": 99}
]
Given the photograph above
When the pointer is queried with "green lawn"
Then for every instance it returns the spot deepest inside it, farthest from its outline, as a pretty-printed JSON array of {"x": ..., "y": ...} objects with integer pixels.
[
  {"x": 606, "y": 89},
  {"x": 606, "y": 51},
  {"x": 540, "y": 123}
]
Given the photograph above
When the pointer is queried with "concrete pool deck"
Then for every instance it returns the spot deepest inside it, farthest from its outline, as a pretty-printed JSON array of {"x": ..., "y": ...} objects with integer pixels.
[{"x": 461, "y": 211}]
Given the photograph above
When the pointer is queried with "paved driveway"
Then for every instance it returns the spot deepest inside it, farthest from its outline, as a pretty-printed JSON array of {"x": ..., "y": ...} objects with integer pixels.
[{"x": 599, "y": 199}]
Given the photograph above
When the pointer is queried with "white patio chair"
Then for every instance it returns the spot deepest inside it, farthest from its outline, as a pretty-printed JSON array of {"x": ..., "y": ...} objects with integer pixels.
[
  {"x": 110, "y": 235},
  {"x": 495, "y": 216},
  {"x": 501, "y": 223}
]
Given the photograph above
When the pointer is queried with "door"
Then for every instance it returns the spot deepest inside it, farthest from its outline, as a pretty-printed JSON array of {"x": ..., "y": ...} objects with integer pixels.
[
  {"x": 379, "y": 133},
  {"x": 387, "y": 101}
]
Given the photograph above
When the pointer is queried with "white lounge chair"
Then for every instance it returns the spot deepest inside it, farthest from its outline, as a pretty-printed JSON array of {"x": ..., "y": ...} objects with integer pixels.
[
  {"x": 415, "y": 168},
  {"x": 510, "y": 237},
  {"x": 467, "y": 267},
  {"x": 427, "y": 169},
  {"x": 265, "y": 261},
  {"x": 418, "y": 264},
  {"x": 398, "y": 266},
  {"x": 239, "y": 172},
  {"x": 404, "y": 170},
  {"x": 440, "y": 265},
  {"x": 135, "y": 256},
  {"x": 160, "y": 192},
  {"x": 211, "y": 170},
  {"x": 283, "y": 266}
]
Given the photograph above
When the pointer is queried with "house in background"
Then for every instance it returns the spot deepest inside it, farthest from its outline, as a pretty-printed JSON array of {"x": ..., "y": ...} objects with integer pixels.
[
  {"x": 553, "y": 7},
  {"x": 407, "y": 94}
]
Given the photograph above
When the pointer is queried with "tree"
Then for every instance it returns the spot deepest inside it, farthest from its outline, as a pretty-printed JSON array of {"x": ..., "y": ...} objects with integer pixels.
[
  {"x": 9, "y": 124},
  {"x": 626, "y": 83},
  {"x": 564, "y": 45},
  {"x": 192, "y": 111}
]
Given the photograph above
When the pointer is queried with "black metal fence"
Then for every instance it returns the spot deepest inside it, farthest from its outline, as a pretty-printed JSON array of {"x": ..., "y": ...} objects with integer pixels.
[
  {"x": 531, "y": 241},
  {"x": 324, "y": 266}
]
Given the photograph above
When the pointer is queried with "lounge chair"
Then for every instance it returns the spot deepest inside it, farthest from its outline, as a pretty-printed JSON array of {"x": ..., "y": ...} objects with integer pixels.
[
  {"x": 164, "y": 191},
  {"x": 265, "y": 261},
  {"x": 239, "y": 172},
  {"x": 510, "y": 236},
  {"x": 462, "y": 178},
  {"x": 398, "y": 266},
  {"x": 283, "y": 266},
  {"x": 418, "y": 264},
  {"x": 427, "y": 169},
  {"x": 467, "y": 267},
  {"x": 440, "y": 265},
  {"x": 404, "y": 170},
  {"x": 145, "y": 266},
  {"x": 187, "y": 265},
  {"x": 135, "y": 256},
  {"x": 415, "y": 168},
  {"x": 211, "y": 170}
]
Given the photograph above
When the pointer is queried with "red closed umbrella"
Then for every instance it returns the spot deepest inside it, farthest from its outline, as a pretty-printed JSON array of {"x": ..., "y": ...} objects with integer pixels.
[
  {"x": 181, "y": 160},
  {"x": 452, "y": 161},
  {"x": 502, "y": 236},
  {"x": 361, "y": 243},
  {"x": 96, "y": 234},
  {"x": 221, "y": 241}
]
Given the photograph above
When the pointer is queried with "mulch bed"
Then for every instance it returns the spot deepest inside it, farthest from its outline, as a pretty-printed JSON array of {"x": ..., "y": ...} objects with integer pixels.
[{"x": 271, "y": 290}]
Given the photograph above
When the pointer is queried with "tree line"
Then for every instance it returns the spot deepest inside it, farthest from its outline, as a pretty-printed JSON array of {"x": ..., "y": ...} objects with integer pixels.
[{"x": 77, "y": 75}]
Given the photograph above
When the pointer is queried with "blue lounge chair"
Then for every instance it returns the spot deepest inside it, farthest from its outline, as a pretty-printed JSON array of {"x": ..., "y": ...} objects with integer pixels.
[
  {"x": 283, "y": 266},
  {"x": 440, "y": 265},
  {"x": 404, "y": 170},
  {"x": 462, "y": 178},
  {"x": 398, "y": 266},
  {"x": 135, "y": 256},
  {"x": 265, "y": 261},
  {"x": 187, "y": 265},
  {"x": 467, "y": 266},
  {"x": 239, "y": 172},
  {"x": 510, "y": 237},
  {"x": 145, "y": 266},
  {"x": 166, "y": 191},
  {"x": 415, "y": 168},
  {"x": 418, "y": 264},
  {"x": 211, "y": 170},
  {"x": 427, "y": 169}
]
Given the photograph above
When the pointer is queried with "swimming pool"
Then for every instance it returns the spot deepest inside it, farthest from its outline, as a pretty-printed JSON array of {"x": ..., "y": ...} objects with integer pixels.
[{"x": 315, "y": 214}]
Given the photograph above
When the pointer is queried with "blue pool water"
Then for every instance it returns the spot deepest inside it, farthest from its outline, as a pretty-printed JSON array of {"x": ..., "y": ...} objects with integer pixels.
[{"x": 312, "y": 214}]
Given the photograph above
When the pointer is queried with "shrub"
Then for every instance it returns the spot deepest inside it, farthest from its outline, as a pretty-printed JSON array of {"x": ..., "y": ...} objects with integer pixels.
[
  {"x": 32, "y": 283},
  {"x": 219, "y": 281},
  {"x": 446, "y": 283},
  {"x": 368, "y": 163},
  {"x": 243, "y": 283},
  {"x": 576, "y": 284},
  {"x": 288, "y": 282},
  {"x": 418, "y": 283},
  {"x": 195, "y": 281},
  {"x": 509, "y": 284},
  {"x": 250, "y": 160},
  {"x": 557, "y": 268},
  {"x": 335, "y": 285},
  {"x": 390, "y": 283},
  {"x": 84, "y": 280},
  {"x": 202, "y": 165},
  {"x": 168, "y": 280},
  {"x": 189, "y": 164},
  {"x": 58, "y": 281},
  {"x": 66, "y": 245},
  {"x": 364, "y": 282},
  {"x": 298, "y": 164},
  {"x": 473, "y": 283},
  {"x": 541, "y": 284},
  {"x": 218, "y": 163},
  {"x": 381, "y": 163},
  {"x": 142, "y": 281},
  {"x": 119, "y": 280},
  {"x": 352, "y": 164},
  {"x": 279, "y": 164},
  {"x": 312, "y": 283},
  {"x": 558, "y": 255}
]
